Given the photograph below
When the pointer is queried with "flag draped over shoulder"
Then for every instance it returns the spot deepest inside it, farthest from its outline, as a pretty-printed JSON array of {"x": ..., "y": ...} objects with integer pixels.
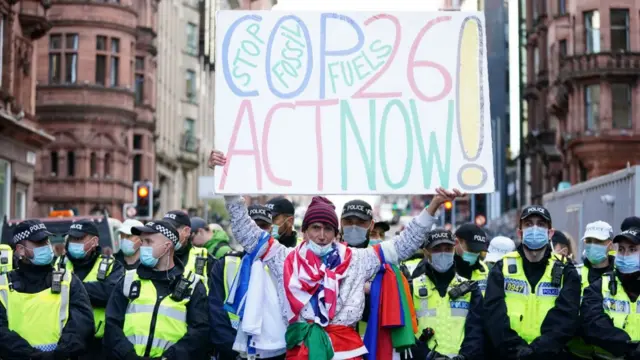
[{"x": 391, "y": 324}]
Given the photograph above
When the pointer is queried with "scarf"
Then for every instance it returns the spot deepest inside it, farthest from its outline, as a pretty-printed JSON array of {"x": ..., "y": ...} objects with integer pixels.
[
  {"x": 238, "y": 291},
  {"x": 309, "y": 279}
]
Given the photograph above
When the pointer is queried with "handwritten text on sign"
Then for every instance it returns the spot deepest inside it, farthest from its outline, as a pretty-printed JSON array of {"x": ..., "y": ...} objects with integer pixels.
[{"x": 353, "y": 103}]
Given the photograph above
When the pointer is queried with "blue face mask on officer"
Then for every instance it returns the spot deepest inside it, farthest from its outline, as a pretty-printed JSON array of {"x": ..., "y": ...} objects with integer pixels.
[
  {"x": 535, "y": 237},
  {"x": 42, "y": 255},
  {"x": 77, "y": 250}
]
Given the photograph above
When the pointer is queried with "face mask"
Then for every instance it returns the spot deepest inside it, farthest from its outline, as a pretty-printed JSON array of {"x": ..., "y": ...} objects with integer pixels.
[
  {"x": 42, "y": 255},
  {"x": 76, "y": 251},
  {"x": 535, "y": 238},
  {"x": 146, "y": 257},
  {"x": 127, "y": 247},
  {"x": 470, "y": 257},
  {"x": 274, "y": 232},
  {"x": 319, "y": 250},
  {"x": 178, "y": 246},
  {"x": 628, "y": 264},
  {"x": 354, "y": 235},
  {"x": 374, "y": 242},
  {"x": 595, "y": 253},
  {"x": 442, "y": 261}
]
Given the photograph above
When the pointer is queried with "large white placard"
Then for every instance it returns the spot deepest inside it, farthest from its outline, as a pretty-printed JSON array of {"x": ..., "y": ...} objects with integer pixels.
[{"x": 352, "y": 103}]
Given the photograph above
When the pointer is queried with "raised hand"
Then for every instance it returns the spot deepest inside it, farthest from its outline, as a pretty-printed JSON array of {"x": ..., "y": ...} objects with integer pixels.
[{"x": 216, "y": 158}]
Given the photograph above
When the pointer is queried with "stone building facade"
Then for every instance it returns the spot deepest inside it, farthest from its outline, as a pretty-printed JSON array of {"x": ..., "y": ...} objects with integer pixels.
[
  {"x": 22, "y": 24},
  {"x": 96, "y": 95}
]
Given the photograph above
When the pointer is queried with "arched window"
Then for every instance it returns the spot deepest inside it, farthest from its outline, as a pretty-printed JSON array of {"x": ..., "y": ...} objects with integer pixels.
[
  {"x": 93, "y": 165},
  {"x": 71, "y": 163},
  {"x": 54, "y": 163},
  {"x": 107, "y": 165}
]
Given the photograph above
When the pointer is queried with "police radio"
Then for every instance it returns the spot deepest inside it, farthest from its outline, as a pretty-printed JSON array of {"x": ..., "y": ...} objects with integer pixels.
[
  {"x": 613, "y": 285},
  {"x": 180, "y": 291},
  {"x": 105, "y": 263},
  {"x": 56, "y": 281},
  {"x": 556, "y": 274},
  {"x": 201, "y": 262},
  {"x": 461, "y": 289},
  {"x": 134, "y": 290}
]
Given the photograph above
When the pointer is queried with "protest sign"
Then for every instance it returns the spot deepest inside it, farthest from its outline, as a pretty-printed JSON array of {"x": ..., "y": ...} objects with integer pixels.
[{"x": 352, "y": 103}]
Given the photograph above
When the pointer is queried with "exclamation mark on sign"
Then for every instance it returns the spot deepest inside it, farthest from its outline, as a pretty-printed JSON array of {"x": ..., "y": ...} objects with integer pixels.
[{"x": 470, "y": 104}]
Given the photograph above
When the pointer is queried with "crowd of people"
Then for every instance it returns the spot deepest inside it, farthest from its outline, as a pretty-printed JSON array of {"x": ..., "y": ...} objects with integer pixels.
[{"x": 340, "y": 288}]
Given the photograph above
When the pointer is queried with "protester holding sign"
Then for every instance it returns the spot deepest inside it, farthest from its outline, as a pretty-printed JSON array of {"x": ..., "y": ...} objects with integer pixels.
[{"x": 313, "y": 276}]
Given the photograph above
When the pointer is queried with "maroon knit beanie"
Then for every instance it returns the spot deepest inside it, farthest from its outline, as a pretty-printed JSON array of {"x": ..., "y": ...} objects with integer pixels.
[{"x": 321, "y": 210}]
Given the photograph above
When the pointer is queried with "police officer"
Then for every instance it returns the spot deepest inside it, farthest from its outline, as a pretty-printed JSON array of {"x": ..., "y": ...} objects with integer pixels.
[
  {"x": 596, "y": 262},
  {"x": 471, "y": 241},
  {"x": 45, "y": 313},
  {"x": 99, "y": 273},
  {"x": 448, "y": 306},
  {"x": 181, "y": 222},
  {"x": 609, "y": 309},
  {"x": 282, "y": 211},
  {"x": 220, "y": 281},
  {"x": 215, "y": 241},
  {"x": 129, "y": 254},
  {"x": 157, "y": 310},
  {"x": 533, "y": 295}
]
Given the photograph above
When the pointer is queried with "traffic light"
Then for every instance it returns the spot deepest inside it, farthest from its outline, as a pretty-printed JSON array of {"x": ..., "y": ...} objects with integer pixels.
[
  {"x": 448, "y": 206},
  {"x": 156, "y": 201},
  {"x": 480, "y": 209},
  {"x": 143, "y": 195}
]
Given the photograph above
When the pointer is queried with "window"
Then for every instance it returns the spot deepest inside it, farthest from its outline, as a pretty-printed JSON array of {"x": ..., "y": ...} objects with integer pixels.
[
  {"x": 139, "y": 80},
  {"x": 137, "y": 142},
  {"x": 137, "y": 167},
  {"x": 189, "y": 127},
  {"x": 192, "y": 39},
  {"x": 562, "y": 7},
  {"x": 621, "y": 106},
  {"x": 191, "y": 86},
  {"x": 54, "y": 163},
  {"x": 71, "y": 163},
  {"x": 562, "y": 49},
  {"x": 619, "y": 30},
  {"x": 94, "y": 164},
  {"x": 21, "y": 204},
  {"x": 107, "y": 165},
  {"x": 115, "y": 62},
  {"x": 592, "y": 107},
  {"x": 592, "y": 31},
  {"x": 63, "y": 54},
  {"x": 104, "y": 54}
]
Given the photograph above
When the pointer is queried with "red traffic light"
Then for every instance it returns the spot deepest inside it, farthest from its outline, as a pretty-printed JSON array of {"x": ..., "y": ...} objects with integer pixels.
[{"x": 143, "y": 191}]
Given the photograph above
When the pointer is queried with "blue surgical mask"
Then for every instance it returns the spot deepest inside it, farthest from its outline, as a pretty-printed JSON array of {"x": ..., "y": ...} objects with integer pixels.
[
  {"x": 178, "y": 246},
  {"x": 319, "y": 250},
  {"x": 127, "y": 247},
  {"x": 470, "y": 257},
  {"x": 374, "y": 242},
  {"x": 535, "y": 237},
  {"x": 76, "y": 250},
  {"x": 274, "y": 231},
  {"x": 442, "y": 261},
  {"x": 354, "y": 235},
  {"x": 595, "y": 253},
  {"x": 146, "y": 257},
  {"x": 628, "y": 264},
  {"x": 42, "y": 255}
]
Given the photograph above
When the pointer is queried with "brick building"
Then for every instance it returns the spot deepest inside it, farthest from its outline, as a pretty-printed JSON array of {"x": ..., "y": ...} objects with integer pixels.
[
  {"x": 22, "y": 23},
  {"x": 96, "y": 95},
  {"x": 582, "y": 65}
]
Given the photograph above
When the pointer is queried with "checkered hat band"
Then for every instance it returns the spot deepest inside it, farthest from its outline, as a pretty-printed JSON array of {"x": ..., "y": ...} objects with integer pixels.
[{"x": 164, "y": 231}]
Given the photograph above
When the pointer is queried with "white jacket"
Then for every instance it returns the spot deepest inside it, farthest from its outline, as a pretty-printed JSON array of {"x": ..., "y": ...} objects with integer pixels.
[{"x": 262, "y": 325}]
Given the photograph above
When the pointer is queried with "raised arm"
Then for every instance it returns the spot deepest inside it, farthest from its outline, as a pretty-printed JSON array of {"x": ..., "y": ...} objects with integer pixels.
[{"x": 243, "y": 227}]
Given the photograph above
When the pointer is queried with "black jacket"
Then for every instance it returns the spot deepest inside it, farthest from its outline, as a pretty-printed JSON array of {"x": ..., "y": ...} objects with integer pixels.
[
  {"x": 222, "y": 334},
  {"x": 120, "y": 257},
  {"x": 77, "y": 332},
  {"x": 193, "y": 344},
  {"x": 99, "y": 291},
  {"x": 559, "y": 325},
  {"x": 597, "y": 327},
  {"x": 183, "y": 256},
  {"x": 472, "y": 347}
]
